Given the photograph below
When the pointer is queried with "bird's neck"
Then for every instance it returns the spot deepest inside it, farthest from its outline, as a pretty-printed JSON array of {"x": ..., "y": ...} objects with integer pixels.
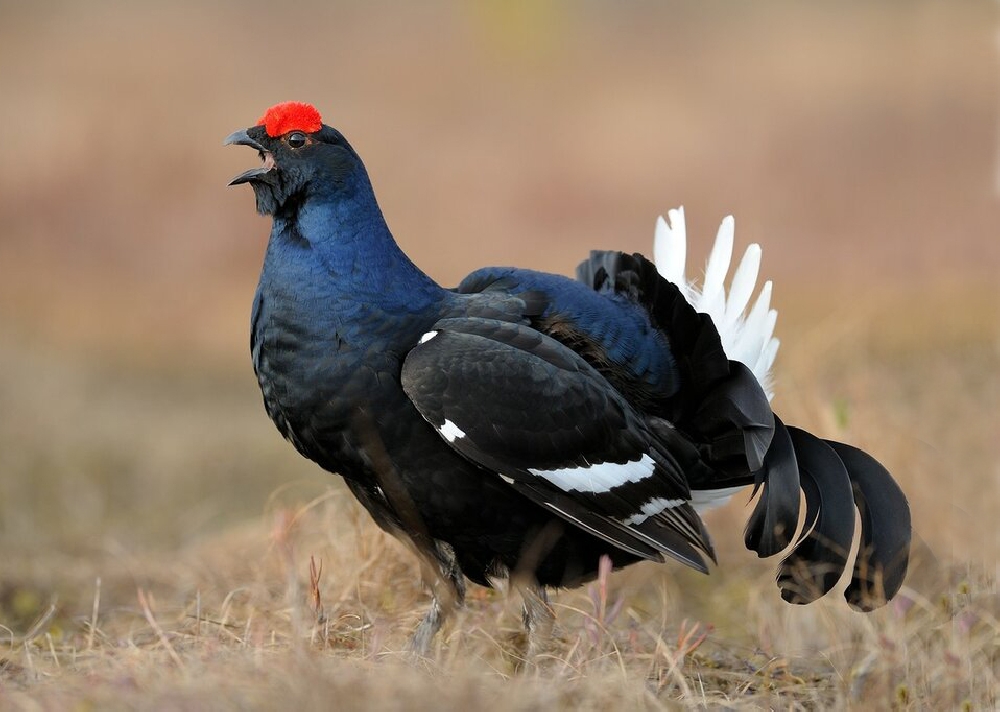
[{"x": 345, "y": 235}]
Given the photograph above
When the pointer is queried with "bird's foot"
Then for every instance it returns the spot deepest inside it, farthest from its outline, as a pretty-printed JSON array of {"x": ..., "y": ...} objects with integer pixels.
[
  {"x": 423, "y": 636},
  {"x": 539, "y": 623}
]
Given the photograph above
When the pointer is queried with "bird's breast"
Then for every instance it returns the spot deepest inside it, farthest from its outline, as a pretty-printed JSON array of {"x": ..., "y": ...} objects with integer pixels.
[{"x": 318, "y": 367}]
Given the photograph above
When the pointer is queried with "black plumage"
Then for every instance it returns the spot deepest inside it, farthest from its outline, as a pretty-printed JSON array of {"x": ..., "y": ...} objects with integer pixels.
[{"x": 526, "y": 424}]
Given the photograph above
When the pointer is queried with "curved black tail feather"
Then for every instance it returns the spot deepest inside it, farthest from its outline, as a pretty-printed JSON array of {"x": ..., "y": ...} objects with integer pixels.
[
  {"x": 818, "y": 560},
  {"x": 775, "y": 518},
  {"x": 834, "y": 478},
  {"x": 885, "y": 530}
]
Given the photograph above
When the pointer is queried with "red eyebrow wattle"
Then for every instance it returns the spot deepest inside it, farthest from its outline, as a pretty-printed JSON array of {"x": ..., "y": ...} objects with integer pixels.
[{"x": 290, "y": 116}]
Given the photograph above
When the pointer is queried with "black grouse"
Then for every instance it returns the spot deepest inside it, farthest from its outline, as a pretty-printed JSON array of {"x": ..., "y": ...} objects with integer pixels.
[{"x": 524, "y": 424}]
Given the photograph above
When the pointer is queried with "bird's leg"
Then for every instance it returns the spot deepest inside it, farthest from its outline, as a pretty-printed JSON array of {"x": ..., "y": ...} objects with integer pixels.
[
  {"x": 448, "y": 590},
  {"x": 538, "y": 617},
  {"x": 420, "y": 643},
  {"x": 439, "y": 564}
]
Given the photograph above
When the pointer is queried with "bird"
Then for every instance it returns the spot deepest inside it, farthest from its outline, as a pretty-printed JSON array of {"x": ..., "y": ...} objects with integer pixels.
[{"x": 524, "y": 426}]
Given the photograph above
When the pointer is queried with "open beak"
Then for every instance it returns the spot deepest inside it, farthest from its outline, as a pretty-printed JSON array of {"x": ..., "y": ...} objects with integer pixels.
[{"x": 240, "y": 138}]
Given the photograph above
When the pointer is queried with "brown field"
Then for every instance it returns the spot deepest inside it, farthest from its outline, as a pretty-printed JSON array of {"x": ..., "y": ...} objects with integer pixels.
[{"x": 156, "y": 534}]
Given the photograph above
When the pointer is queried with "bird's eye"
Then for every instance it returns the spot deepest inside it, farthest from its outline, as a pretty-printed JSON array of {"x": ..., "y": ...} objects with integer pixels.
[{"x": 296, "y": 139}]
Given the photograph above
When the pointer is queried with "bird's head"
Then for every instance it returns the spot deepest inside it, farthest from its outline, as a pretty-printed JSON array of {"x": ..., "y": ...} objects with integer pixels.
[{"x": 299, "y": 155}]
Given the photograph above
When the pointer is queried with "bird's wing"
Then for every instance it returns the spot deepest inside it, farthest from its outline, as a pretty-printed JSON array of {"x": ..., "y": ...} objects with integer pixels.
[{"x": 530, "y": 409}]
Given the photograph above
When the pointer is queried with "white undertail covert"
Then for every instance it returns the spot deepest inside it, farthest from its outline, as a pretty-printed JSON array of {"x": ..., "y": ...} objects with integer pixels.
[{"x": 747, "y": 335}]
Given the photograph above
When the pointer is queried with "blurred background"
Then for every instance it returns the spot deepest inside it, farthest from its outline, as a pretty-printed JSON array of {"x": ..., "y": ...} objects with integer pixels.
[{"x": 856, "y": 141}]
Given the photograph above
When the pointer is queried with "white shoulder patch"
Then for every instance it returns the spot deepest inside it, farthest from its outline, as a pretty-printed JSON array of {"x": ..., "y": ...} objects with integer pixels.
[
  {"x": 428, "y": 336},
  {"x": 449, "y": 431}
]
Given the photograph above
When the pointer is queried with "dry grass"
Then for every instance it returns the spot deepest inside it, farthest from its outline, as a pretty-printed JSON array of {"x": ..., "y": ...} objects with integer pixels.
[
  {"x": 157, "y": 537},
  {"x": 235, "y": 621}
]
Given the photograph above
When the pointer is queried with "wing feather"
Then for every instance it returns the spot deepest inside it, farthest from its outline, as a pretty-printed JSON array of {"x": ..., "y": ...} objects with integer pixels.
[{"x": 525, "y": 406}]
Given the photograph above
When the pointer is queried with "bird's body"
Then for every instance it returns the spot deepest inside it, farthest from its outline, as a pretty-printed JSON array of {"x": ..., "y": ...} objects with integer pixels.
[
  {"x": 326, "y": 363},
  {"x": 527, "y": 423}
]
